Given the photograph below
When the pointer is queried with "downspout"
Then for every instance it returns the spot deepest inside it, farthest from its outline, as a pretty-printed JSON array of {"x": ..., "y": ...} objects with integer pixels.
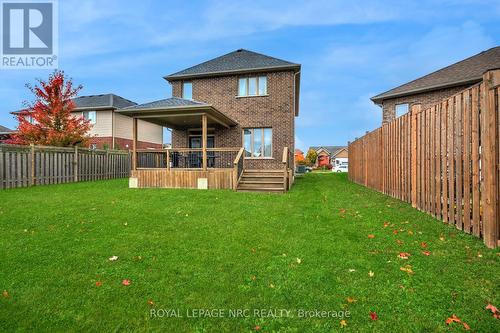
[{"x": 294, "y": 114}]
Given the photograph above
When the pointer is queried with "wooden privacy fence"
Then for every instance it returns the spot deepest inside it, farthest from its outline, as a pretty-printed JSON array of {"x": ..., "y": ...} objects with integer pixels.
[
  {"x": 444, "y": 159},
  {"x": 22, "y": 166}
]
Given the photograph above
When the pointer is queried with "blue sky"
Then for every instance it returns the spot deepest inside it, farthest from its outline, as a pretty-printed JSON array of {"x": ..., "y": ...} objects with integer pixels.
[{"x": 349, "y": 50}]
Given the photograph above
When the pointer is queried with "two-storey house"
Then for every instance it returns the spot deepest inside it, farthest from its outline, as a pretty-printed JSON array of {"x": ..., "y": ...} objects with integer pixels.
[{"x": 239, "y": 101}]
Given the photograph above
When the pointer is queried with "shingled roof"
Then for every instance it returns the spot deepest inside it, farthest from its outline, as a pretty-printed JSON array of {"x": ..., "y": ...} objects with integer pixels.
[
  {"x": 111, "y": 101},
  {"x": 4, "y": 129},
  {"x": 172, "y": 102},
  {"x": 235, "y": 62},
  {"x": 332, "y": 150},
  {"x": 468, "y": 71}
]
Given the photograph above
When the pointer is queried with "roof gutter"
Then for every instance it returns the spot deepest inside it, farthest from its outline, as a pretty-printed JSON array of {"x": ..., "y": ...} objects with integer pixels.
[{"x": 380, "y": 98}]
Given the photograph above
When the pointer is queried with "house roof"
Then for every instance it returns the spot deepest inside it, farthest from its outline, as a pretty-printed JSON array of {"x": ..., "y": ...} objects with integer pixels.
[
  {"x": 177, "y": 113},
  {"x": 5, "y": 130},
  {"x": 332, "y": 150},
  {"x": 467, "y": 71},
  {"x": 172, "y": 102},
  {"x": 234, "y": 62},
  {"x": 111, "y": 101}
]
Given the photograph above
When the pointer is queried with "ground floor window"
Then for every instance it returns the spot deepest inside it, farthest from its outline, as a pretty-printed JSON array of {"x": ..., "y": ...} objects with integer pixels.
[{"x": 258, "y": 142}]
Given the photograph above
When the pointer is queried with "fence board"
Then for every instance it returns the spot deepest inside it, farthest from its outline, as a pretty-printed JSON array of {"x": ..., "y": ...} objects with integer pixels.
[
  {"x": 444, "y": 159},
  {"x": 22, "y": 166}
]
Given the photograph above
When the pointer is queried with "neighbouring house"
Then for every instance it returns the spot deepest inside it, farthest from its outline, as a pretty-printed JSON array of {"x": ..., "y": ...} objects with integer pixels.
[
  {"x": 241, "y": 101},
  {"x": 330, "y": 155},
  {"x": 111, "y": 129},
  {"x": 5, "y": 133},
  {"x": 434, "y": 87}
]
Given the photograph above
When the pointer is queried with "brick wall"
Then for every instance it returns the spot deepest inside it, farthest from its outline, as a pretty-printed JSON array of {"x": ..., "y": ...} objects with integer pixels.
[
  {"x": 121, "y": 143},
  {"x": 276, "y": 110},
  {"x": 426, "y": 99}
]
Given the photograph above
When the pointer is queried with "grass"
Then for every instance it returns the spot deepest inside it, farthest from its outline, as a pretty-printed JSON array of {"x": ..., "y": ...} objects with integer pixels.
[{"x": 186, "y": 249}]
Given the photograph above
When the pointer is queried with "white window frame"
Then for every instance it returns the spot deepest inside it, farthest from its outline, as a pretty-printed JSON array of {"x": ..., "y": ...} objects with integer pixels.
[
  {"x": 257, "y": 83},
  {"x": 263, "y": 142},
  {"x": 86, "y": 116}
]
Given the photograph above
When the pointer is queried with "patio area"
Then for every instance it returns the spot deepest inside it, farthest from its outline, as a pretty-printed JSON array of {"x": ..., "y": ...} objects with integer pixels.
[{"x": 200, "y": 165}]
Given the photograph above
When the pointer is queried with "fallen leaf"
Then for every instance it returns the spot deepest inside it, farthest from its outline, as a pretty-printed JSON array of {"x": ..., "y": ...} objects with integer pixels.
[
  {"x": 395, "y": 231},
  {"x": 427, "y": 253},
  {"x": 423, "y": 244},
  {"x": 399, "y": 241},
  {"x": 441, "y": 238},
  {"x": 373, "y": 316},
  {"x": 350, "y": 300},
  {"x": 407, "y": 269},
  {"x": 98, "y": 283},
  {"x": 257, "y": 328},
  {"x": 271, "y": 285},
  {"x": 492, "y": 308},
  {"x": 453, "y": 319},
  {"x": 410, "y": 232},
  {"x": 253, "y": 278},
  {"x": 352, "y": 270},
  {"x": 113, "y": 258},
  {"x": 466, "y": 326},
  {"x": 479, "y": 255},
  {"x": 343, "y": 323},
  {"x": 299, "y": 260},
  {"x": 386, "y": 224},
  {"x": 150, "y": 302},
  {"x": 371, "y": 274},
  {"x": 5, "y": 294},
  {"x": 126, "y": 282},
  {"x": 371, "y": 236},
  {"x": 404, "y": 255}
]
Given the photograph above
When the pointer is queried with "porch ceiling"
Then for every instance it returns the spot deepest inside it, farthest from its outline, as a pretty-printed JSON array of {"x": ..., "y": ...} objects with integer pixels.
[{"x": 178, "y": 113}]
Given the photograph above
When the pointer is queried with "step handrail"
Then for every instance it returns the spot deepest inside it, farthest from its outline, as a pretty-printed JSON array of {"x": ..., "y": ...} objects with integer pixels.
[{"x": 238, "y": 168}]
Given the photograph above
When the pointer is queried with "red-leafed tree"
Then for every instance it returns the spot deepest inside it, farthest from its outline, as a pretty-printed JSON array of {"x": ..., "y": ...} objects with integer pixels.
[{"x": 48, "y": 120}]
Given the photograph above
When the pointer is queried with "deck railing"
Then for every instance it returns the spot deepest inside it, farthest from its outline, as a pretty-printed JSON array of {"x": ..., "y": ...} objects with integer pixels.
[
  {"x": 186, "y": 158},
  {"x": 287, "y": 161}
]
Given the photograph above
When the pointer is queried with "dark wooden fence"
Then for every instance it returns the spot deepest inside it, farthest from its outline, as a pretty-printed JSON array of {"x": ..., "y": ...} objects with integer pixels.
[
  {"x": 444, "y": 160},
  {"x": 22, "y": 166}
]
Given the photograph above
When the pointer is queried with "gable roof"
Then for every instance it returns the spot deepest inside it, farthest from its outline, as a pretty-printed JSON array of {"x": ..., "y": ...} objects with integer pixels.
[
  {"x": 4, "y": 130},
  {"x": 111, "y": 101},
  {"x": 238, "y": 61},
  {"x": 467, "y": 71},
  {"x": 171, "y": 102},
  {"x": 332, "y": 150}
]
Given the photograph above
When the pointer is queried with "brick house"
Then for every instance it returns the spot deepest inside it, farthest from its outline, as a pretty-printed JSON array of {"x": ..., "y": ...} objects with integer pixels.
[
  {"x": 330, "y": 155},
  {"x": 434, "y": 87},
  {"x": 242, "y": 99}
]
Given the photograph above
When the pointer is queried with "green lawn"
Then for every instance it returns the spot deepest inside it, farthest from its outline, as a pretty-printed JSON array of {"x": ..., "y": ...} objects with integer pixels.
[{"x": 185, "y": 249}]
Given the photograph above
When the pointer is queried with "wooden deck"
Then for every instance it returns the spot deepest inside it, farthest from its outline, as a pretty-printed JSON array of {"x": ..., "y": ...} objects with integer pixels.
[{"x": 184, "y": 178}]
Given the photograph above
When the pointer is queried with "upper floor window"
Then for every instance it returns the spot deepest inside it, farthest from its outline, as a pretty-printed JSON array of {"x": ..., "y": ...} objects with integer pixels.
[
  {"x": 187, "y": 90},
  {"x": 90, "y": 115},
  {"x": 252, "y": 86},
  {"x": 402, "y": 109}
]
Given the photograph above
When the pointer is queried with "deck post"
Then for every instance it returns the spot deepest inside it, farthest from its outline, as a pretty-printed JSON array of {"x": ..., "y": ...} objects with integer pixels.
[
  {"x": 134, "y": 143},
  {"x": 204, "y": 140}
]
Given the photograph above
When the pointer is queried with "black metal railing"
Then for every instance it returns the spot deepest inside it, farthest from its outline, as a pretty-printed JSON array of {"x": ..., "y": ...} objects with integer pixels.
[{"x": 184, "y": 158}]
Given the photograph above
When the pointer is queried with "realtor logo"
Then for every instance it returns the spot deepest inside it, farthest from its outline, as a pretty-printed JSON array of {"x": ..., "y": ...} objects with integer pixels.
[{"x": 29, "y": 32}]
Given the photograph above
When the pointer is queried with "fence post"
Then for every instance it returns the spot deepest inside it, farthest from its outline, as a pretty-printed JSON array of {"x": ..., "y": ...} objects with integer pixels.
[
  {"x": 75, "y": 164},
  {"x": 489, "y": 143},
  {"x": 415, "y": 109},
  {"x": 32, "y": 146}
]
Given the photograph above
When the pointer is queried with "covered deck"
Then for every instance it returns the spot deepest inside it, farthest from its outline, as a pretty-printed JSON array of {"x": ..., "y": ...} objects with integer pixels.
[{"x": 201, "y": 168}]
